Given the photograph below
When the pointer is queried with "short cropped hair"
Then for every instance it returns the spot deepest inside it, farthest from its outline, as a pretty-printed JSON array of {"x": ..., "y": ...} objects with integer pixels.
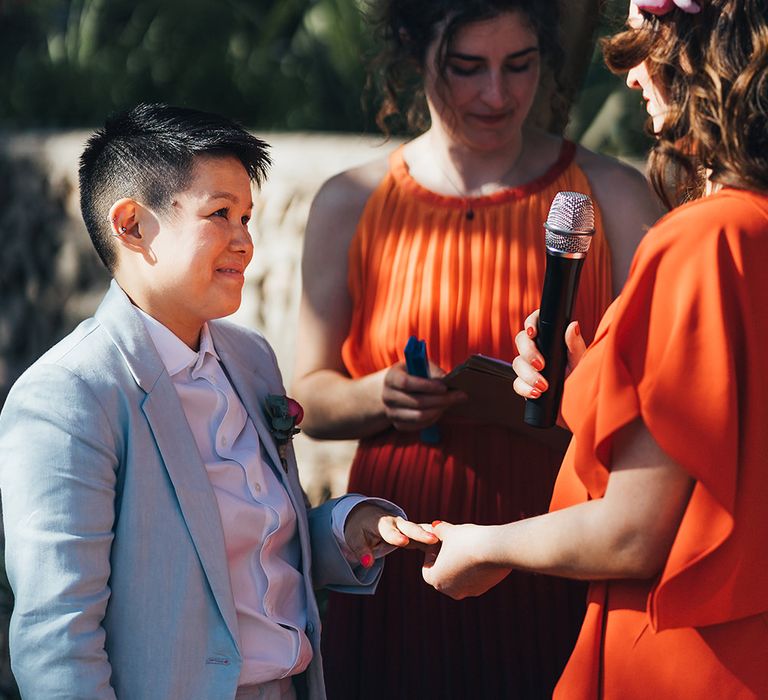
[{"x": 147, "y": 154}]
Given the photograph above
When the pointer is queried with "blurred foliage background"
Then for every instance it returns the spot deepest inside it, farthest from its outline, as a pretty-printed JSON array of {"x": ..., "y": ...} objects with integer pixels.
[
  {"x": 283, "y": 65},
  {"x": 286, "y": 65}
]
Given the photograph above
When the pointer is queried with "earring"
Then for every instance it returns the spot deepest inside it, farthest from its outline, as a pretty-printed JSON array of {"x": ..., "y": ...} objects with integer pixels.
[{"x": 122, "y": 231}]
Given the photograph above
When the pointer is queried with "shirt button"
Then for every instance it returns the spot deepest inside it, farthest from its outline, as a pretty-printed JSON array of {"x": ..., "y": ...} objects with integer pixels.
[{"x": 257, "y": 487}]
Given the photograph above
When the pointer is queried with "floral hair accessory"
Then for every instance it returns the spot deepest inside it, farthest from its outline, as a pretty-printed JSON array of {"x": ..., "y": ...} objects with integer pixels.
[
  {"x": 662, "y": 7},
  {"x": 284, "y": 415}
]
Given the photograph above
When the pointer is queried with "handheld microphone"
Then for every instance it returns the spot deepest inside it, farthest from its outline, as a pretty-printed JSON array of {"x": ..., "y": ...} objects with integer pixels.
[{"x": 568, "y": 233}]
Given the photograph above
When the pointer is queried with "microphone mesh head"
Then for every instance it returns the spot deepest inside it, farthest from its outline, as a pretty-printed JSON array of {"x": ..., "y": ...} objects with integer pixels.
[{"x": 570, "y": 223}]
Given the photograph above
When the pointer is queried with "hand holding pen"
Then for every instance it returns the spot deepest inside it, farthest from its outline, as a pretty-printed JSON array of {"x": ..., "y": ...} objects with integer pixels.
[{"x": 415, "y": 402}]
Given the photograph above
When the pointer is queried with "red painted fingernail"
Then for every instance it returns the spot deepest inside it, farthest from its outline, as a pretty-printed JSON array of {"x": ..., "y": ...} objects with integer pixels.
[
  {"x": 535, "y": 393},
  {"x": 529, "y": 331},
  {"x": 540, "y": 384},
  {"x": 577, "y": 329},
  {"x": 435, "y": 523},
  {"x": 536, "y": 363},
  {"x": 367, "y": 560}
]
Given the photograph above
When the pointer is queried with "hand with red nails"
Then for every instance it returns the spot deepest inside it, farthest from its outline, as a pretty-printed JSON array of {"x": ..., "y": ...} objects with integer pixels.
[
  {"x": 370, "y": 532},
  {"x": 462, "y": 565},
  {"x": 530, "y": 384}
]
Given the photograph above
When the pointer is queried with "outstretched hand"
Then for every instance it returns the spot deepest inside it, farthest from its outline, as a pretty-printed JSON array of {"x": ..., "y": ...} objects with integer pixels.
[
  {"x": 413, "y": 403},
  {"x": 369, "y": 526},
  {"x": 530, "y": 384},
  {"x": 461, "y": 567}
]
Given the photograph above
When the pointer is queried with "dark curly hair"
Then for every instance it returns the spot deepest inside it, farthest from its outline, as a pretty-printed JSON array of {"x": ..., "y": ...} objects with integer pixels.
[
  {"x": 406, "y": 29},
  {"x": 712, "y": 69}
]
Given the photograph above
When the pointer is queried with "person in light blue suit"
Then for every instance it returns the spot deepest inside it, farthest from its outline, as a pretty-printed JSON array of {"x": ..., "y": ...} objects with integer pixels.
[{"x": 158, "y": 541}]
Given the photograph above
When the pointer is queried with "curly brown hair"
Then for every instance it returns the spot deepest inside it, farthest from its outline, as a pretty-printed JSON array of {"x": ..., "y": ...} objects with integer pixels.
[
  {"x": 712, "y": 69},
  {"x": 406, "y": 28}
]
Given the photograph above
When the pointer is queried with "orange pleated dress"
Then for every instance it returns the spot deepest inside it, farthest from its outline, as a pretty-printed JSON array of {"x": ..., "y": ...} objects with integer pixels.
[
  {"x": 419, "y": 265},
  {"x": 684, "y": 347}
]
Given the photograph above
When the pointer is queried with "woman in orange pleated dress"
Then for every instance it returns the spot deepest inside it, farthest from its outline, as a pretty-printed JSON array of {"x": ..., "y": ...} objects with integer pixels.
[
  {"x": 444, "y": 240},
  {"x": 661, "y": 499}
]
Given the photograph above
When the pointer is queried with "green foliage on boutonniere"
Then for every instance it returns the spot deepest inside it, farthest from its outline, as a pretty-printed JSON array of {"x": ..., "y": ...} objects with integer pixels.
[{"x": 283, "y": 414}]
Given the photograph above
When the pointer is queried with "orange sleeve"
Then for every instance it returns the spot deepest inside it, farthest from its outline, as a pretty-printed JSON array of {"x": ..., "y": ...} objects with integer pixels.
[{"x": 683, "y": 352}]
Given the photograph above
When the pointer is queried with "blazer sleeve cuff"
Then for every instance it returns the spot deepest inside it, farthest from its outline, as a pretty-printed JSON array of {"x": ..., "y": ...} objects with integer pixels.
[{"x": 334, "y": 567}]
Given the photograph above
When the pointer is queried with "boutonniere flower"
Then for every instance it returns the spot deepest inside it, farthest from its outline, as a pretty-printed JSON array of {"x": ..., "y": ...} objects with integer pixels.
[{"x": 283, "y": 414}]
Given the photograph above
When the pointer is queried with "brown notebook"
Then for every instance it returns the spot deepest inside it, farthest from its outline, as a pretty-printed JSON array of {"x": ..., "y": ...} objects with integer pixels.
[{"x": 488, "y": 383}]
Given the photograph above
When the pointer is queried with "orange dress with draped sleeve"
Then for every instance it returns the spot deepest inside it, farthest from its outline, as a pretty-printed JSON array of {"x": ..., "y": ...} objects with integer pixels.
[
  {"x": 418, "y": 265},
  {"x": 684, "y": 348}
]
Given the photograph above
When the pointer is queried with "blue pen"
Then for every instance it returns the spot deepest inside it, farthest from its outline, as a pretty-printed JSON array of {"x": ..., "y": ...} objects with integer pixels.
[{"x": 416, "y": 362}]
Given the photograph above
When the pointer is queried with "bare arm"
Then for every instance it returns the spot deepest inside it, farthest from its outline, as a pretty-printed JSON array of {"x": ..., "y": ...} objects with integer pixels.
[
  {"x": 626, "y": 534},
  {"x": 337, "y": 406},
  {"x": 628, "y": 207}
]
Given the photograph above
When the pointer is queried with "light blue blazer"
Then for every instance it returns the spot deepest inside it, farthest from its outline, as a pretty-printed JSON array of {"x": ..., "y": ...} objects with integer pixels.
[{"x": 114, "y": 545}]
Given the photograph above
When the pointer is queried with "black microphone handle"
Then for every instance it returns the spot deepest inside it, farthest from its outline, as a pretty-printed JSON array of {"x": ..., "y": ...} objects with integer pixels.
[{"x": 560, "y": 283}]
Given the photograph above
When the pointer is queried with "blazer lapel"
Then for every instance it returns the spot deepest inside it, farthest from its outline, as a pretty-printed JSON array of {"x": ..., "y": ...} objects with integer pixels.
[{"x": 176, "y": 443}]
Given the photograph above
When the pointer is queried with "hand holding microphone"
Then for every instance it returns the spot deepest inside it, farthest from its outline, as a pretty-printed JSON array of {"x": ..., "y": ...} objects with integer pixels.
[
  {"x": 569, "y": 229},
  {"x": 530, "y": 384}
]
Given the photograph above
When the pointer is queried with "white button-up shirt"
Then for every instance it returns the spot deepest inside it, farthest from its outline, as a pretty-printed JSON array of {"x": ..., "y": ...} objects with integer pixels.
[{"x": 257, "y": 516}]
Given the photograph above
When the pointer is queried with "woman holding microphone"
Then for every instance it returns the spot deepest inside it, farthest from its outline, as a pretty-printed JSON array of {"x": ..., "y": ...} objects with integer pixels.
[{"x": 660, "y": 501}]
